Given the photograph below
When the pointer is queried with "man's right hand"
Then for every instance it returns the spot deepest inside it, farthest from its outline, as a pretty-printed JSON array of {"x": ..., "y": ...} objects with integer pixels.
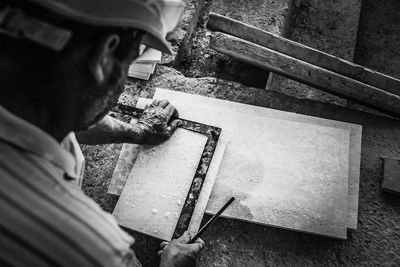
[
  {"x": 155, "y": 125},
  {"x": 178, "y": 253}
]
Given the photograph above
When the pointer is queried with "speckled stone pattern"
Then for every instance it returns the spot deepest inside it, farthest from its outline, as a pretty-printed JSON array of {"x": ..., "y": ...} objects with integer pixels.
[
  {"x": 279, "y": 177},
  {"x": 354, "y": 129},
  {"x": 156, "y": 190}
]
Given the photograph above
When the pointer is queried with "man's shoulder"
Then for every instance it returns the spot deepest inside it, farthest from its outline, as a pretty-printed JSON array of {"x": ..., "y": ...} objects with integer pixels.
[{"x": 49, "y": 220}]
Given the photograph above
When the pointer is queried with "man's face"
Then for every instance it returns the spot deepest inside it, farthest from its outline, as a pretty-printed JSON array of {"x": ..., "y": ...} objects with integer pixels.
[{"x": 100, "y": 99}]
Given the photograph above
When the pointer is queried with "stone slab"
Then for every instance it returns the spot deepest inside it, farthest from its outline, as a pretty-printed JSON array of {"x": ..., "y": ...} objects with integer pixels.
[
  {"x": 126, "y": 160},
  {"x": 158, "y": 184},
  {"x": 208, "y": 184},
  {"x": 391, "y": 176},
  {"x": 262, "y": 176},
  {"x": 149, "y": 55},
  {"x": 355, "y": 137}
]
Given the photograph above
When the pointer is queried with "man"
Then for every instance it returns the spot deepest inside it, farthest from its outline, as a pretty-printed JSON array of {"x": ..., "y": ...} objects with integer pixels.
[{"x": 63, "y": 64}]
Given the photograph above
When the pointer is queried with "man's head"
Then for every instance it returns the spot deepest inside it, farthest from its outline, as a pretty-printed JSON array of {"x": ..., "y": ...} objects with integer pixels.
[{"x": 72, "y": 69}]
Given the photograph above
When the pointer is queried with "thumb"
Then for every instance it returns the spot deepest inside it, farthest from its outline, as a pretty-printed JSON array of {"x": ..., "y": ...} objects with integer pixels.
[
  {"x": 197, "y": 246},
  {"x": 173, "y": 126},
  {"x": 185, "y": 237}
]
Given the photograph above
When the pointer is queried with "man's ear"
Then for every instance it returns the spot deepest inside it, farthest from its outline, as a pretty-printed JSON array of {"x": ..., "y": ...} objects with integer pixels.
[{"x": 103, "y": 60}]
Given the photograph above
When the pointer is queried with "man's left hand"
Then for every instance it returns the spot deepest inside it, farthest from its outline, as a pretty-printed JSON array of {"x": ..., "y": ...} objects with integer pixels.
[{"x": 156, "y": 124}]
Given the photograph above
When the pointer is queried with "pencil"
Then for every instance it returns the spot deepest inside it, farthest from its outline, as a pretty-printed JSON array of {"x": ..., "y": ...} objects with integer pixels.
[{"x": 213, "y": 218}]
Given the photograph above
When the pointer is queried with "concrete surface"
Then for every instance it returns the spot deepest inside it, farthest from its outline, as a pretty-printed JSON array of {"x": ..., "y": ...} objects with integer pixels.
[
  {"x": 379, "y": 37},
  {"x": 330, "y": 26},
  {"x": 198, "y": 60},
  {"x": 234, "y": 243}
]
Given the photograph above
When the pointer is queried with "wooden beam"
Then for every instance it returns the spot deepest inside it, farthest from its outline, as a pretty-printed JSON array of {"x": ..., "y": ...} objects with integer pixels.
[
  {"x": 305, "y": 53},
  {"x": 305, "y": 72}
]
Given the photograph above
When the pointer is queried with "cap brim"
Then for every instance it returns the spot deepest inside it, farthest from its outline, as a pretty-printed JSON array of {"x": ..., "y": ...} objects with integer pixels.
[
  {"x": 120, "y": 13},
  {"x": 158, "y": 43}
]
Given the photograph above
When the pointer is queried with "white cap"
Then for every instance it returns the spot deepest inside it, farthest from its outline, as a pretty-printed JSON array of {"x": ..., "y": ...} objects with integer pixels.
[{"x": 155, "y": 17}]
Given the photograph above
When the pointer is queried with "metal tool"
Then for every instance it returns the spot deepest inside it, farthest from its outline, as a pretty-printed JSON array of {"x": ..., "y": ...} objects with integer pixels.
[{"x": 213, "y": 218}]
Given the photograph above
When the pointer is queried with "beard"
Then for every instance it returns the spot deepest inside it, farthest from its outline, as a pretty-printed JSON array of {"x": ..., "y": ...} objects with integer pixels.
[{"x": 97, "y": 101}]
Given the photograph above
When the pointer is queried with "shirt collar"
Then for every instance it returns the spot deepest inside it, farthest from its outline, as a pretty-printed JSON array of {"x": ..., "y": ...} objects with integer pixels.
[{"x": 32, "y": 139}]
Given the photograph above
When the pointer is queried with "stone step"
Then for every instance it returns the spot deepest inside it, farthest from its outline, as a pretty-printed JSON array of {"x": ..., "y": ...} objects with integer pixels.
[{"x": 330, "y": 26}]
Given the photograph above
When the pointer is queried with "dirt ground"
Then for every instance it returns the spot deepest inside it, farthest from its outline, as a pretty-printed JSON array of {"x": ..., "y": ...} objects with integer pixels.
[{"x": 197, "y": 69}]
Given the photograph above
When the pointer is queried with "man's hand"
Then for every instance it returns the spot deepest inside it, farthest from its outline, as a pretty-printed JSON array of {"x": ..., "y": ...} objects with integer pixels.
[
  {"x": 178, "y": 253},
  {"x": 155, "y": 124}
]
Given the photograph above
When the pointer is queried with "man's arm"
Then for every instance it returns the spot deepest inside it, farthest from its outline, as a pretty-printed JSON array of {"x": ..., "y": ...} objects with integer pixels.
[
  {"x": 153, "y": 127},
  {"x": 110, "y": 130}
]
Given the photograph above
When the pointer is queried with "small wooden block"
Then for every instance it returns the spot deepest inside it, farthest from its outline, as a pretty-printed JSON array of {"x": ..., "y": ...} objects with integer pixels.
[{"x": 391, "y": 176}]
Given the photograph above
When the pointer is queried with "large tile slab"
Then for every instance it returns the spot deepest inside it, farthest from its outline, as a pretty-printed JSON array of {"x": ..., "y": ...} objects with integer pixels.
[
  {"x": 284, "y": 173},
  {"x": 355, "y": 135},
  {"x": 156, "y": 189},
  {"x": 209, "y": 181}
]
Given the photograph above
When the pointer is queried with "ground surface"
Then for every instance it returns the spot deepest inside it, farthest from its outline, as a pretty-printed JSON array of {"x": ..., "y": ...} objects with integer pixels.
[{"x": 234, "y": 243}]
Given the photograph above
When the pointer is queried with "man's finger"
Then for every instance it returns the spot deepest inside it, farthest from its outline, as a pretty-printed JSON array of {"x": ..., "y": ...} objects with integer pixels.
[
  {"x": 173, "y": 126},
  {"x": 201, "y": 243},
  {"x": 185, "y": 237},
  {"x": 163, "y": 244},
  {"x": 163, "y": 103},
  {"x": 169, "y": 110},
  {"x": 176, "y": 113},
  {"x": 147, "y": 106},
  {"x": 155, "y": 103},
  {"x": 160, "y": 252}
]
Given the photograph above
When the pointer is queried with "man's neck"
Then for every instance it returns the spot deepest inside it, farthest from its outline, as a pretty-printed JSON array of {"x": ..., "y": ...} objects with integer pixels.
[{"x": 46, "y": 120}]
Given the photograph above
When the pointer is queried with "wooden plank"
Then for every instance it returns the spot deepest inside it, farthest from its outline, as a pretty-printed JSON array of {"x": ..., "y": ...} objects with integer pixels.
[
  {"x": 305, "y": 53},
  {"x": 306, "y": 73}
]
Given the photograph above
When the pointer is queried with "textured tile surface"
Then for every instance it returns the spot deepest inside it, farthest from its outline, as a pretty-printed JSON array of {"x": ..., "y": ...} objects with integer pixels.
[
  {"x": 208, "y": 185},
  {"x": 285, "y": 173},
  {"x": 156, "y": 190},
  {"x": 250, "y": 110}
]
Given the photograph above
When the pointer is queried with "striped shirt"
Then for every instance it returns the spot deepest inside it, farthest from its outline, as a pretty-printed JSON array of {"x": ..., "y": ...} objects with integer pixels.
[{"x": 45, "y": 219}]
